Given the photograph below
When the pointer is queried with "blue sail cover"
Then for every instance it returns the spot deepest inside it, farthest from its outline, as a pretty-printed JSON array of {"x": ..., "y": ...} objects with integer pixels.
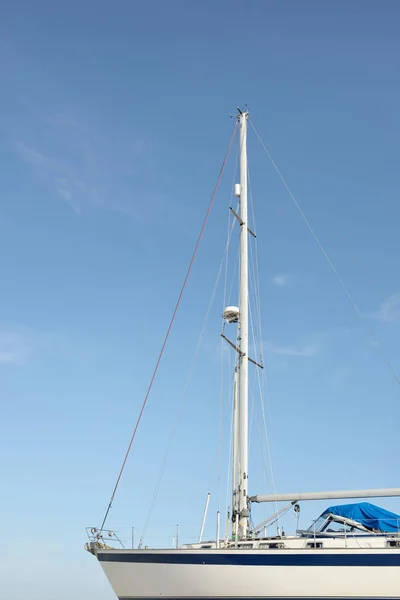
[{"x": 369, "y": 515}]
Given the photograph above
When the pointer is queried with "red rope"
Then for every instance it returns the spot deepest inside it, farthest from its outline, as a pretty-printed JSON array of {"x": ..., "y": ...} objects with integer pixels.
[{"x": 170, "y": 325}]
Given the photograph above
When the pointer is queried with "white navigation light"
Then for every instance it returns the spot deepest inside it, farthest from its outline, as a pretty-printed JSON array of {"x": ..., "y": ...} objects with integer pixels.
[
  {"x": 231, "y": 314},
  {"x": 237, "y": 190}
]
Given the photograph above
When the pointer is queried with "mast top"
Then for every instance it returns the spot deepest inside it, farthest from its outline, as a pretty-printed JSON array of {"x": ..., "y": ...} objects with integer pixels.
[{"x": 242, "y": 112}]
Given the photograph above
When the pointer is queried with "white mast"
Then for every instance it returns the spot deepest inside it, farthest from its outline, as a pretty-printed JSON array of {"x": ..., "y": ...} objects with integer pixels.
[
  {"x": 243, "y": 333},
  {"x": 235, "y": 450}
]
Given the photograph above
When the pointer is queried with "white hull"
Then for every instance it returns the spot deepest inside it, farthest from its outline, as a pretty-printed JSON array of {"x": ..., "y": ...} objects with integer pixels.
[{"x": 133, "y": 577}]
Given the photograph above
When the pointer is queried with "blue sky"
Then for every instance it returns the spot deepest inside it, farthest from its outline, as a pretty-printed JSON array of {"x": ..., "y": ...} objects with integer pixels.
[{"x": 114, "y": 119}]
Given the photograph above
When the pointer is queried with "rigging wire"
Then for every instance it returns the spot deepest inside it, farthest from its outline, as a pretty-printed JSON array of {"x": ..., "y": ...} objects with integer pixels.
[
  {"x": 374, "y": 340},
  {"x": 391, "y": 299},
  {"x": 235, "y": 273},
  {"x": 170, "y": 325},
  {"x": 227, "y": 301},
  {"x": 261, "y": 438},
  {"x": 268, "y": 476},
  {"x": 230, "y": 462},
  {"x": 222, "y": 342},
  {"x": 180, "y": 409},
  {"x": 261, "y": 378}
]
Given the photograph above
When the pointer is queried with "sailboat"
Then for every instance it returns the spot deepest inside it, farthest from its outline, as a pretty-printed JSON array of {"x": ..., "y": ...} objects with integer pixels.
[{"x": 351, "y": 551}]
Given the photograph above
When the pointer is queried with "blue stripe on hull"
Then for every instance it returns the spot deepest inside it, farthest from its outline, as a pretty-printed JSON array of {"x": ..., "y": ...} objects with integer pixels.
[{"x": 305, "y": 559}]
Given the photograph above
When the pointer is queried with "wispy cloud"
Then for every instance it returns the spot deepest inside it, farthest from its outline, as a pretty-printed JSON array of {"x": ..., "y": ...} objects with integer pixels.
[
  {"x": 16, "y": 346},
  {"x": 310, "y": 345},
  {"x": 388, "y": 311},
  {"x": 87, "y": 166},
  {"x": 30, "y": 155},
  {"x": 21, "y": 345},
  {"x": 58, "y": 173},
  {"x": 281, "y": 280},
  {"x": 306, "y": 350}
]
